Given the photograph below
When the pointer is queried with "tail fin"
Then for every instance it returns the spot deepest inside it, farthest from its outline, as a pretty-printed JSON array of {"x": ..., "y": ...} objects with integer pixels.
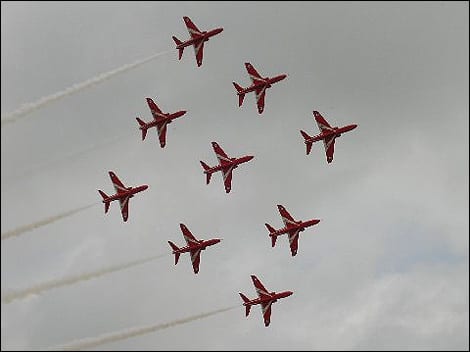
[
  {"x": 142, "y": 125},
  {"x": 241, "y": 95},
  {"x": 308, "y": 141},
  {"x": 245, "y": 300},
  {"x": 208, "y": 174},
  {"x": 178, "y": 42},
  {"x": 273, "y": 238},
  {"x": 175, "y": 248},
  {"x": 105, "y": 200}
]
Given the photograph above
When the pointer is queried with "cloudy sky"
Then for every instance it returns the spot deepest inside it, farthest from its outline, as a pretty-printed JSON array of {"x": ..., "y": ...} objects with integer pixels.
[{"x": 387, "y": 266}]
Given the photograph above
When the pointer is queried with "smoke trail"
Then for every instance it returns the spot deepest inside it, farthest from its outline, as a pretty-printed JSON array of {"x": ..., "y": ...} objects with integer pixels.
[
  {"x": 20, "y": 230},
  {"x": 69, "y": 157},
  {"x": 125, "y": 334},
  {"x": 10, "y": 296},
  {"x": 27, "y": 108}
]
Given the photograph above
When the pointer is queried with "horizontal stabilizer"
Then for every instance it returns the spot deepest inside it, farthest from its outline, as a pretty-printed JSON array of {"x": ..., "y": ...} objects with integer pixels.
[
  {"x": 143, "y": 128},
  {"x": 308, "y": 141},
  {"x": 206, "y": 171},
  {"x": 105, "y": 200},
  {"x": 175, "y": 248},
  {"x": 245, "y": 300},
  {"x": 241, "y": 95},
  {"x": 180, "y": 50}
]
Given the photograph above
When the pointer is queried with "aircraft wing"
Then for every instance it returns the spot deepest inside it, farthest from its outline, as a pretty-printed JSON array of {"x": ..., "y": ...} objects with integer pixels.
[
  {"x": 227, "y": 175},
  {"x": 124, "y": 202},
  {"x": 329, "y": 144},
  {"x": 188, "y": 236},
  {"x": 260, "y": 94},
  {"x": 199, "y": 51},
  {"x": 118, "y": 186},
  {"x": 194, "y": 32},
  {"x": 294, "y": 241},
  {"x": 195, "y": 259},
  {"x": 260, "y": 289},
  {"x": 221, "y": 156},
  {"x": 286, "y": 217},
  {"x": 154, "y": 109},
  {"x": 321, "y": 122},
  {"x": 161, "y": 130},
  {"x": 254, "y": 75},
  {"x": 266, "y": 308}
]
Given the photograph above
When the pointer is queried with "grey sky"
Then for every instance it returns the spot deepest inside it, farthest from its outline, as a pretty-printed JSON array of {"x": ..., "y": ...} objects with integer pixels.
[{"x": 387, "y": 266}]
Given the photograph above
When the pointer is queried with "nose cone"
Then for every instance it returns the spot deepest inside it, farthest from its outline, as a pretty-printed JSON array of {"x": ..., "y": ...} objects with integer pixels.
[
  {"x": 289, "y": 293},
  {"x": 249, "y": 157},
  {"x": 144, "y": 187},
  {"x": 218, "y": 30}
]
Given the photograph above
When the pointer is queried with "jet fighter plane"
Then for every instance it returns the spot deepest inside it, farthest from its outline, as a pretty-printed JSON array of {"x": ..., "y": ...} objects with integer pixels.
[
  {"x": 123, "y": 194},
  {"x": 194, "y": 247},
  {"x": 160, "y": 120},
  {"x": 327, "y": 133},
  {"x": 291, "y": 227},
  {"x": 197, "y": 39},
  {"x": 226, "y": 165},
  {"x": 259, "y": 86},
  {"x": 265, "y": 298}
]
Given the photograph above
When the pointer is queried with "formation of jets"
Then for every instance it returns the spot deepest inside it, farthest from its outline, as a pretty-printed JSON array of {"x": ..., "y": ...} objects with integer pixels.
[{"x": 226, "y": 165}]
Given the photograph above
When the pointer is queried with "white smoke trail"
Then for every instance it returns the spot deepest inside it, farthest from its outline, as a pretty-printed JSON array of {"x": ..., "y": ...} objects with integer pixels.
[
  {"x": 125, "y": 334},
  {"x": 12, "y": 295},
  {"x": 27, "y": 108},
  {"x": 20, "y": 230},
  {"x": 15, "y": 177}
]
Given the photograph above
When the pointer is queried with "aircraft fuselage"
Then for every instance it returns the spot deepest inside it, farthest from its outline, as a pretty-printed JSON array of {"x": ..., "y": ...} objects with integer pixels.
[
  {"x": 128, "y": 193},
  {"x": 165, "y": 118},
  {"x": 302, "y": 225},
  {"x": 204, "y": 37},
  {"x": 233, "y": 164},
  {"x": 337, "y": 131},
  {"x": 273, "y": 297},
  {"x": 265, "y": 83},
  {"x": 202, "y": 245}
]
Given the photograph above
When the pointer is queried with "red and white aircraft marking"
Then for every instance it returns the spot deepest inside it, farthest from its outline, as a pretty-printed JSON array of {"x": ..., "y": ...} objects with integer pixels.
[
  {"x": 259, "y": 86},
  {"x": 194, "y": 247},
  {"x": 160, "y": 121},
  {"x": 226, "y": 165},
  {"x": 123, "y": 194},
  {"x": 197, "y": 39},
  {"x": 265, "y": 299},
  {"x": 327, "y": 133},
  {"x": 291, "y": 227}
]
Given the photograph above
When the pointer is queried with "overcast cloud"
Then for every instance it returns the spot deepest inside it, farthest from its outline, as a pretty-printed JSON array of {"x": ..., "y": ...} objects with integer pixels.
[{"x": 387, "y": 266}]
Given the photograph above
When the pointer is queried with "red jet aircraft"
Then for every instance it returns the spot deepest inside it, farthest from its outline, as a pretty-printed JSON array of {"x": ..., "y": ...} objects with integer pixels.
[
  {"x": 265, "y": 298},
  {"x": 197, "y": 39},
  {"x": 327, "y": 133},
  {"x": 123, "y": 194},
  {"x": 194, "y": 246},
  {"x": 291, "y": 227},
  {"x": 160, "y": 120},
  {"x": 226, "y": 165},
  {"x": 259, "y": 86}
]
